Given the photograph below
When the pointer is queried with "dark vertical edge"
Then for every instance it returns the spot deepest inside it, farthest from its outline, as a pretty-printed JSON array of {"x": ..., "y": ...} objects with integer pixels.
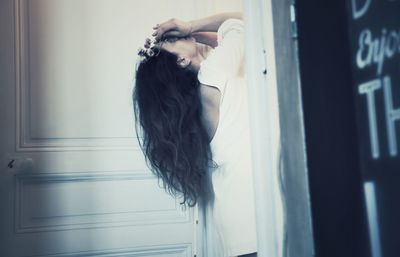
[
  {"x": 337, "y": 201},
  {"x": 294, "y": 177}
]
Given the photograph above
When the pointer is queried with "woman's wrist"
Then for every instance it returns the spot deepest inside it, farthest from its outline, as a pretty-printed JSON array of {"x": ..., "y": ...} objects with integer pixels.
[
  {"x": 212, "y": 23},
  {"x": 191, "y": 27}
]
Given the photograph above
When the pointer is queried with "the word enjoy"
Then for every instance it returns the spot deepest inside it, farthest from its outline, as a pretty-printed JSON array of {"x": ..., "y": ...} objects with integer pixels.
[
  {"x": 392, "y": 115},
  {"x": 377, "y": 50}
]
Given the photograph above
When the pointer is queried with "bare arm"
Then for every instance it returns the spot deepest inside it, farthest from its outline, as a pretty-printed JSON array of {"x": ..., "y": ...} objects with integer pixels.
[
  {"x": 213, "y": 22},
  {"x": 178, "y": 28},
  {"x": 210, "y": 98}
]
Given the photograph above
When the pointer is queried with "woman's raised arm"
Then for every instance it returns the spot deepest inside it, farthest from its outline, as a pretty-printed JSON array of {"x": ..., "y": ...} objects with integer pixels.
[
  {"x": 178, "y": 28},
  {"x": 207, "y": 38}
]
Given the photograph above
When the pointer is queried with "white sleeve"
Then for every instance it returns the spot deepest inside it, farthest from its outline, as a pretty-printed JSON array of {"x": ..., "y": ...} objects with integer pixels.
[{"x": 226, "y": 59}]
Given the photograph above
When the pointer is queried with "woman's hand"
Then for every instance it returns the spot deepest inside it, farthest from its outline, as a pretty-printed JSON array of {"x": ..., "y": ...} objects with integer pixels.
[{"x": 172, "y": 28}]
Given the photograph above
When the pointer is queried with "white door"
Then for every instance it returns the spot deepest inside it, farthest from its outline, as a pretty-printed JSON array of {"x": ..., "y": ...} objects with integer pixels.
[{"x": 73, "y": 181}]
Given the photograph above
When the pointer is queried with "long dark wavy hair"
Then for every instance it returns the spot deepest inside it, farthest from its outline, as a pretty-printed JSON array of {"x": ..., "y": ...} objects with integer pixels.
[{"x": 174, "y": 141}]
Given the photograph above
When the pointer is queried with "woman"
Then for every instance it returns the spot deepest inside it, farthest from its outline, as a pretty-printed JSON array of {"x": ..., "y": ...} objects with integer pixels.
[{"x": 191, "y": 106}]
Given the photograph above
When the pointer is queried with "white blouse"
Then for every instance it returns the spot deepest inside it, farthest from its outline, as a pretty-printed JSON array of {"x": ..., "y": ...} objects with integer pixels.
[{"x": 232, "y": 214}]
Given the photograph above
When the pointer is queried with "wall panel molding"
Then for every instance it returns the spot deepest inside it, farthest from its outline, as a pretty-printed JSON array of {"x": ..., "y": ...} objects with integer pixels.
[
  {"x": 175, "y": 250},
  {"x": 24, "y": 140},
  {"x": 56, "y": 202}
]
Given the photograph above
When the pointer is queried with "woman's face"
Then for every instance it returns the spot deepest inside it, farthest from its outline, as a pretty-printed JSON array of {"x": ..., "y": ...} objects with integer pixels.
[{"x": 184, "y": 48}]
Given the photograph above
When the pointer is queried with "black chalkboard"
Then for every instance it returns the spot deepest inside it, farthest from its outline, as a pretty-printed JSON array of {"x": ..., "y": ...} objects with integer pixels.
[
  {"x": 354, "y": 177},
  {"x": 374, "y": 34}
]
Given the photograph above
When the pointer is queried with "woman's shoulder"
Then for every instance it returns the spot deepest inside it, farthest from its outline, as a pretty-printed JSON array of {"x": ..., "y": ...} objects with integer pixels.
[
  {"x": 210, "y": 95},
  {"x": 230, "y": 26}
]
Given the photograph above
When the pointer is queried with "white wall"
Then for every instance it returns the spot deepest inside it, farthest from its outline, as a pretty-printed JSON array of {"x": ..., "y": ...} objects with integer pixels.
[{"x": 228, "y": 5}]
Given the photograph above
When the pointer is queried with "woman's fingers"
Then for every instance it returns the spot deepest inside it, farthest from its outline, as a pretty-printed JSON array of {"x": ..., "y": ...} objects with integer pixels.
[
  {"x": 147, "y": 43},
  {"x": 161, "y": 30},
  {"x": 172, "y": 27}
]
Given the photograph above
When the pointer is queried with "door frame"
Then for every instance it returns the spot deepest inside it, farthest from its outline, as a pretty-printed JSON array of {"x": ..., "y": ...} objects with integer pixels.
[{"x": 278, "y": 138}]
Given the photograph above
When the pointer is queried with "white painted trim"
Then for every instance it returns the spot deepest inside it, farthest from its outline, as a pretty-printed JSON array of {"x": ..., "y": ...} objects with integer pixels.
[
  {"x": 24, "y": 141},
  {"x": 172, "y": 250},
  {"x": 264, "y": 119},
  {"x": 27, "y": 224}
]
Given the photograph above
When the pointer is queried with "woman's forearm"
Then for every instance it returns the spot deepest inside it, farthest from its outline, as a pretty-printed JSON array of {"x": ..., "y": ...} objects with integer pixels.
[
  {"x": 207, "y": 38},
  {"x": 178, "y": 28},
  {"x": 213, "y": 22}
]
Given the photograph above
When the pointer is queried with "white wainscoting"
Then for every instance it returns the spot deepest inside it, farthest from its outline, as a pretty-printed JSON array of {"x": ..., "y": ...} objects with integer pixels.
[
  {"x": 74, "y": 76},
  {"x": 154, "y": 251},
  {"x": 80, "y": 185},
  {"x": 49, "y": 202}
]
